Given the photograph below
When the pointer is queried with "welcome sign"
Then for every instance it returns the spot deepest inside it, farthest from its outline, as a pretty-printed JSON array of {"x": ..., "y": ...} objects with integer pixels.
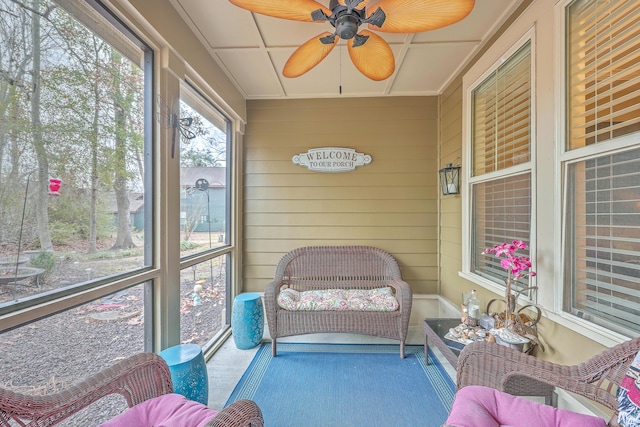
[{"x": 331, "y": 159}]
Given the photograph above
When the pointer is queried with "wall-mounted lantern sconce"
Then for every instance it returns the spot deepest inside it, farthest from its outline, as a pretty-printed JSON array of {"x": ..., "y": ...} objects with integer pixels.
[{"x": 450, "y": 179}]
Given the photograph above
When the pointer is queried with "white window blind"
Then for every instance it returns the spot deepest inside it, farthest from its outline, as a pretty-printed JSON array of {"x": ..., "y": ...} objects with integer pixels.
[
  {"x": 502, "y": 115},
  {"x": 604, "y": 240},
  {"x": 502, "y": 213},
  {"x": 603, "y": 47}
]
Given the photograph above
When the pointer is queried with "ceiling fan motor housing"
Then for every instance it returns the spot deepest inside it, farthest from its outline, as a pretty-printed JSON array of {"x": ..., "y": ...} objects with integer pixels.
[
  {"x": 346, "y": 26},
  {"x": 346, "y": 21}
]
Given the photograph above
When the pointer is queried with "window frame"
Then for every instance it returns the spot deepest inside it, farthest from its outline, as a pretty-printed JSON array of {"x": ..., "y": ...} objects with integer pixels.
[
  {"x": 467, "y": 146},
  {"x": 565, "y": 157}
]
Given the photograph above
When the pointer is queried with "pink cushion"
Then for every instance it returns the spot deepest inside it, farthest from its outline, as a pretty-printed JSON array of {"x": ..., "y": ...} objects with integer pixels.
[
  {"x": 478, "y": 406},
  {"x": 169, "y": 410}
]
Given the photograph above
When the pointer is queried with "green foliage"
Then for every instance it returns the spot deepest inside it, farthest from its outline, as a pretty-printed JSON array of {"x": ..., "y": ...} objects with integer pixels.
[
  {"x": 117, "y": 254},
  {"x": 62, "y": 233},
  {"x": 104, "y": 255},
  {"x": 186, "y": 245},
  {"x": 45, "y": 259},
  {"x": 69, "y": 219}
]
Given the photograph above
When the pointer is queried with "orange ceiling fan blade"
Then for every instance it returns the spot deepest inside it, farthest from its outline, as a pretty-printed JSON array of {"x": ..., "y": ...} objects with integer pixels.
[
  {"x": 308, "y": 55},
  {"x": 413, "y": 16},
  {"x": 296, "y": 10},
  {"x": 374, "y": 58}
]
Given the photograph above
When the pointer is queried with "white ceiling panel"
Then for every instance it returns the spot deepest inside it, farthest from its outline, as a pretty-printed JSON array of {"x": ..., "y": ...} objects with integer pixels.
[
  {"x": 220, "y": 24},
  {"x": 474, "y": 27},
  {"x": 252, "y": 71},
  {"x": 252, "y": 49},
  {"x": 426, "y": 68}
]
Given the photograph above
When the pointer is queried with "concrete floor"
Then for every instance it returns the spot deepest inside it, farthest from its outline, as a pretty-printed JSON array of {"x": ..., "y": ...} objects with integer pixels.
[{"x": 228, "y": 364}]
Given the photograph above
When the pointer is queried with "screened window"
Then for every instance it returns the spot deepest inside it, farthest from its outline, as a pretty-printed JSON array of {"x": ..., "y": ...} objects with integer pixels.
[
  {"x": 602, "y": 215},
  {"x": 75, "y": 193},
  {"x": 76, "y": 219},
  {"x": 501, "y": 188},
  {"x": 204, "y": 159},
  {"x": 205, "y": 219}
]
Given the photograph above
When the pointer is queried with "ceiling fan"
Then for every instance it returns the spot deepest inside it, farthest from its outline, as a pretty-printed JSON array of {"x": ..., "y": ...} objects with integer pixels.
[{"x": 369, "y": 52}]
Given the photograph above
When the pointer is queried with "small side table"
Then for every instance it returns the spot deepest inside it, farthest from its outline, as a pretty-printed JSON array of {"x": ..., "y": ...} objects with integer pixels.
[
  {"x": 247, "y": 320},
  {"x": 435, "y": 329},
  {"x": 188, "y": 371}
]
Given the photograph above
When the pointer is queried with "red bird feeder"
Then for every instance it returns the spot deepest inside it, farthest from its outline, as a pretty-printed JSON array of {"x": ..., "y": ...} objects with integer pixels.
[{"x": 54, "y": 186}]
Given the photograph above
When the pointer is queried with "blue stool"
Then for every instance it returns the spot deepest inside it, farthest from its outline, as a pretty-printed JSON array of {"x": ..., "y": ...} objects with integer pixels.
[
  {"x": 247, "y": 320},
  {"x": 188, "y": 371}
]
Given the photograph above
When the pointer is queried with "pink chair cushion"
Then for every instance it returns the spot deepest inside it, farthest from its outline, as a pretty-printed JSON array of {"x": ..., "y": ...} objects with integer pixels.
[
  {"x": 478, "y": 406},
  {"x": 169, "y": 410}
]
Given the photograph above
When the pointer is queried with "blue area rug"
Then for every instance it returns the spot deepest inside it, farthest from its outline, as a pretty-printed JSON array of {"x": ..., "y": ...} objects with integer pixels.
[{"x": 346, "y": 385}]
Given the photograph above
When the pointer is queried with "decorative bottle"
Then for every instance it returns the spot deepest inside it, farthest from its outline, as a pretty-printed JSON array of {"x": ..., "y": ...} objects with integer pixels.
[{"x": 473, "y": 316}]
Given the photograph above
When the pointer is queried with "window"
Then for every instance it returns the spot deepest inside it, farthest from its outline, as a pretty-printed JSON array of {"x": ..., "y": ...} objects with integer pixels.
[
  {"x": 203, "y": 301},
  {"x": 204, "y": 157},
  {"x": 501, "y": 183},
  {"x": 602, "y": 163},
  {"x": 72, "y": 108},
  {"x": 204, "y": 225},
  {"x": 76, "y": 219},
  {"x": 603, "y": 52}
]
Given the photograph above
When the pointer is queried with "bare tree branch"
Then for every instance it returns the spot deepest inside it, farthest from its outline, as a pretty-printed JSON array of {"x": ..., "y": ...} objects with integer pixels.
[{"x": 44, "y": 14}]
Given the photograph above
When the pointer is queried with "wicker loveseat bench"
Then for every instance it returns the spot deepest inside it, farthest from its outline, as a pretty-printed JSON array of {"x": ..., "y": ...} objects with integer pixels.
[{"x": 362, "y": 269}]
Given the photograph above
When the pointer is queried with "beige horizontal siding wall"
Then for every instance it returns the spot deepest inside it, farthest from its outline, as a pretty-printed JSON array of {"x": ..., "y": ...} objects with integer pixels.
[
  {"x": 451, "y": 206},
  {"x": 390, "y": 203}
]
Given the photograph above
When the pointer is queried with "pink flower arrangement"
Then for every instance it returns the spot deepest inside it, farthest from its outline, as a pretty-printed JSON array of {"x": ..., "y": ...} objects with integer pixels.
[
  {"x": 516, "y": 266},
  {"x": 519, "y": 266}
]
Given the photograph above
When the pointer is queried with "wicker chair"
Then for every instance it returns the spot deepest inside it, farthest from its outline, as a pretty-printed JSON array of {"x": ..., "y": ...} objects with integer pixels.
[
  {"x": 338, "y": 267},
  {"x": 138, "y": 378},
  {"x": 519, "y": 374}
]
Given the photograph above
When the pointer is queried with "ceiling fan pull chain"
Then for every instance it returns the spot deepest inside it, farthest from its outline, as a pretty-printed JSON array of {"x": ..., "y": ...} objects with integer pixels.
[{"x": 340, "y": 73}]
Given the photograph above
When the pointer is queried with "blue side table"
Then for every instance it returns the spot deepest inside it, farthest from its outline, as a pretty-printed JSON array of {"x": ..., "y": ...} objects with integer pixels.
[
  {"x": 188, "y": 371},
  {"x": 247, "y": 320}
]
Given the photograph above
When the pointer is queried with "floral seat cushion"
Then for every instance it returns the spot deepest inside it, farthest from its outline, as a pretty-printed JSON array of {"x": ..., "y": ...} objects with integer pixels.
[
  {"x": 377, "y": 299},
  {"x": 629, "y": 395}
]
